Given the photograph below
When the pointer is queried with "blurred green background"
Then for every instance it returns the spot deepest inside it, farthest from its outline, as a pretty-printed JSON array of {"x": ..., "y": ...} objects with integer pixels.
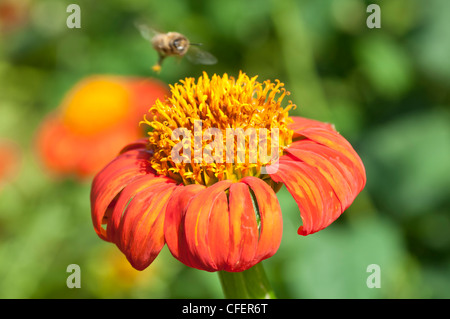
[{"x": 386, "y": 90}]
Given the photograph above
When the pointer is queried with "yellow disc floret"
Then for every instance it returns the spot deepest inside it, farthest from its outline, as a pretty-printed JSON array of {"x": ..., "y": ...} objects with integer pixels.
[{"x": 228, "y": 126}]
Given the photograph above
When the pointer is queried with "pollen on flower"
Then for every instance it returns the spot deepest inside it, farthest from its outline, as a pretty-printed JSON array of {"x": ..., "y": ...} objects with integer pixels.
[{"x": 223, "y": 104}]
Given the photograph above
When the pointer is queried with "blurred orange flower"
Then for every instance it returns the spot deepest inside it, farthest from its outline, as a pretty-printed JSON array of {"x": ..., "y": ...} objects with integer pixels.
[
  {"x": 10, "y": 156},
  {"x": 95, "y": 119},
  {"x": 14, "y": 14}
]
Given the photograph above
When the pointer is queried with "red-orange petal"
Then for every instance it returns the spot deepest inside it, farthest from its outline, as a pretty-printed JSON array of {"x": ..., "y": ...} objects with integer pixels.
[
  {"x": 323, "y": 173},
  {"x": 112, "y": 179},
  {"x": 137, "y": 222},
  {"x": 244, "y": 233},
  {"x": 300, "y": 124},
  {"x": 271, "y": 218},
  {"x": 140, "y": 143},
  {"x": 197, "y": 222},
  {"x": 209, "y": 230},
  {"x": 174, "y": 223}
]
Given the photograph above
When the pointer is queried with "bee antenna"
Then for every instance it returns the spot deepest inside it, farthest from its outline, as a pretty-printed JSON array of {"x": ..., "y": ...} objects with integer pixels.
[{"x": 199, "y": 44}]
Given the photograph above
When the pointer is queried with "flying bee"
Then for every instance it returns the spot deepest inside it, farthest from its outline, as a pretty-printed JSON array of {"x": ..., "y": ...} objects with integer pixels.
[{"x": 174, "y": 44}]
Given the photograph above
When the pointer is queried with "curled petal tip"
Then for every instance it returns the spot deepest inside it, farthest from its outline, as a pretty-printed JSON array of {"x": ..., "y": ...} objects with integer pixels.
[{"x": 322, "y": 172}]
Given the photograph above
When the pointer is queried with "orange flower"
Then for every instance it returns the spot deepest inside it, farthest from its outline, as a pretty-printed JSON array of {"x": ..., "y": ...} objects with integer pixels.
[
  {"x": 222, "y": 214},
  {"x": 96, "y": 118},
  {"x": 14, "y": 14},
  {"x": 10, "y": 156}
]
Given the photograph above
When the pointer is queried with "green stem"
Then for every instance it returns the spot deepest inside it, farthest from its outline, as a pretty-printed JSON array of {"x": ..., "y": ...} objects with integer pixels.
[{"x": 249, "y": 284}]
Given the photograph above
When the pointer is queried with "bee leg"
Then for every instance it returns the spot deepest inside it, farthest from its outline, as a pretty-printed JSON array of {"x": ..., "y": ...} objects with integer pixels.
[{"x": 157, "y": 67}]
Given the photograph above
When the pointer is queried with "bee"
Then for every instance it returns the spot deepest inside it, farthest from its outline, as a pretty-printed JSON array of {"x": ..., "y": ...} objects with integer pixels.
[{"x": 174, "y": 44}]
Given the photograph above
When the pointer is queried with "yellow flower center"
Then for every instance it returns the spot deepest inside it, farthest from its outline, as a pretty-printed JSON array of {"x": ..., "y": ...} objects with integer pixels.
[
  {"x": 96, "y": 104},
  {"x": 231, "y": 128}
]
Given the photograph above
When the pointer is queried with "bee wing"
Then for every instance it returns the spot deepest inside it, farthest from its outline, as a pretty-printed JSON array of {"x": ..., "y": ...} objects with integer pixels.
[
  {"x": 199, "y": 56},
  {"x": 146, "y": 32}
]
